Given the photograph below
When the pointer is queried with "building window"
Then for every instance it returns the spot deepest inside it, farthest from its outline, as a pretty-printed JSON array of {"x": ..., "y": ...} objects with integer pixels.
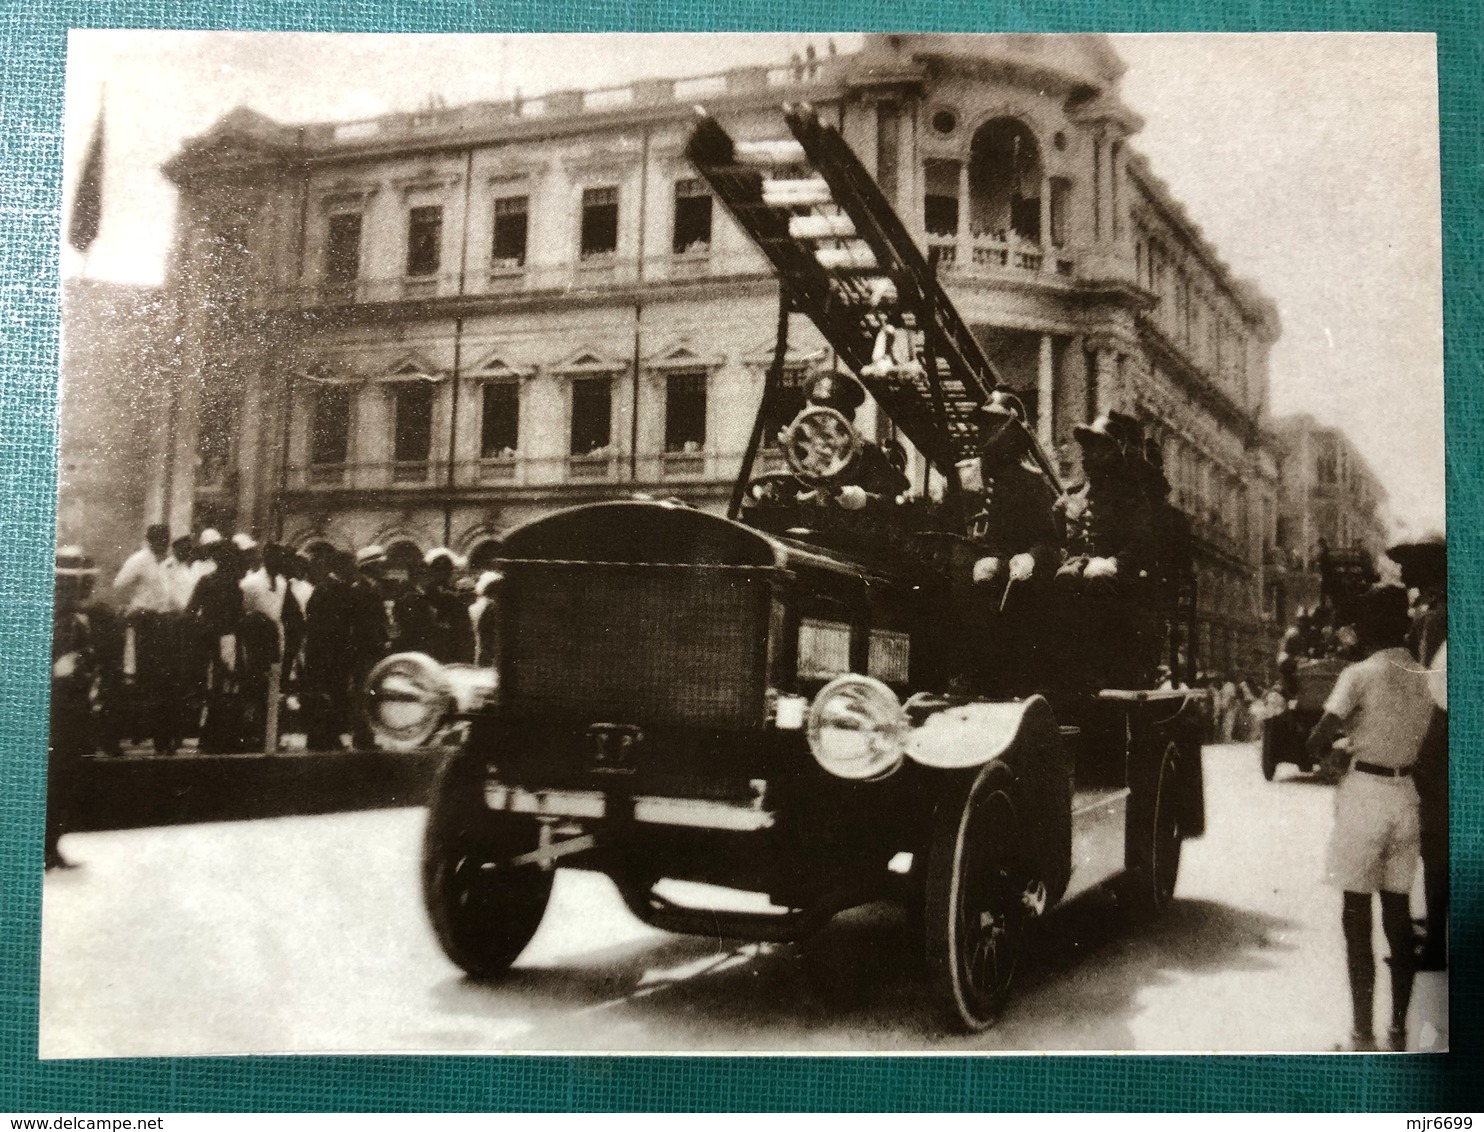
[
  {"x": 424, "y": 239},
  {"x": 940, "y": 198},
  {"x": 592, "y": 415},
  {"x": 509, "y": 247},
  {"x": 692, "y": 216},
  {"x": 1061, "y": 195},
  {"x": 413, "y": 441},
  {"x": 888, "y": 147},
  {"x": 685, "y": 412},
  {"x": 785, "y": 403},
  {"x": 1005, "y": 181},
  {"x": 1326, "y": 460},
  {"x": 343, "y": 248},
  {"x": 329, "y": 431},
  {"x": 1182, "y": 306},
  {"x": 218, "y": 425},
  {"x": 499, "y": 433},
  {"x": 599, "y": 222},
  {"x": 226, "y": 252}
]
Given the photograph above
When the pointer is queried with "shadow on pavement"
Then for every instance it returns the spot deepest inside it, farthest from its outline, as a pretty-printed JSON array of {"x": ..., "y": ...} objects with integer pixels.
[{"x": 862, "y": 984}]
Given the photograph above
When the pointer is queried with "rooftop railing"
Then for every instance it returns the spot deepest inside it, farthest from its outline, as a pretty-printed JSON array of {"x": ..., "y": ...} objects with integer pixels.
[{"x": 561, "y": 103}]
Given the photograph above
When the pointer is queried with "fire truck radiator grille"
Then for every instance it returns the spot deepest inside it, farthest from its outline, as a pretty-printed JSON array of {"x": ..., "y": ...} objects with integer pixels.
[{"x": 635, "y": 643}]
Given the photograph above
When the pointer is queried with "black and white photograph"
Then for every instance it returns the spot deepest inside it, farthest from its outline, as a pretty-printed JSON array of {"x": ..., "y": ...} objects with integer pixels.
[{"x": 857, "y": 543}]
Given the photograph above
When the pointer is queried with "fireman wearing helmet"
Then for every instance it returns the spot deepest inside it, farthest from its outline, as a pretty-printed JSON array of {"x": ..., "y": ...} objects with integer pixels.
[
  {"x": 1016, "y": 524},
  {"x": 1110, "y": 533},
  {"x": 1016, "y": 520}
]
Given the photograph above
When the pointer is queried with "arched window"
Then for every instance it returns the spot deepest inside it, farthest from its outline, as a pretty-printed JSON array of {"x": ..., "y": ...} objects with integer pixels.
[{"x": 1005, "y": 176}]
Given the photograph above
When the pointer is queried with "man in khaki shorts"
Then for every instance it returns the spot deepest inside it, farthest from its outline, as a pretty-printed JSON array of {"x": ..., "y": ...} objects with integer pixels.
[{"x": 1382, "y": 704}]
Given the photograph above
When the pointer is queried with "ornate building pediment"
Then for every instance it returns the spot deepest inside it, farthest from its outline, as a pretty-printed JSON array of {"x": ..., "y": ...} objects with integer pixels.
[
  {"x": 427, "y": 181},
  {"x": 497, "y": 366},
  {"x": 324, "y": 371},
  {"x": 345, "y": 193},
  {"x": 589, "y": 361},
  {"x": 411, "y": 366},
  {"x": 681, "y": 356}
]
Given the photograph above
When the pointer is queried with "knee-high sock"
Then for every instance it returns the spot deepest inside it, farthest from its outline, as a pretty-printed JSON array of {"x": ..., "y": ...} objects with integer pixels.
[
  {"x": 1396, "y": 922},
  {"x": 1360, "y": 959}
]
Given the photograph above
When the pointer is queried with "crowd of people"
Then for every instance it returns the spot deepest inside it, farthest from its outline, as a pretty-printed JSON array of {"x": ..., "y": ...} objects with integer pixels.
[{"x": 226, "y": 642}]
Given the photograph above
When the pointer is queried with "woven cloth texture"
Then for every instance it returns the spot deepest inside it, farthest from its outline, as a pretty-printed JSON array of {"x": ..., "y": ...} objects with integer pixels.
[{"x": 33, "y": 45}]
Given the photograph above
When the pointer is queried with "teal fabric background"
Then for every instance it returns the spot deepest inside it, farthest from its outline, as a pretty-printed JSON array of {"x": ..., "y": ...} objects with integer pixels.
[{"x": 33, "y": 45}]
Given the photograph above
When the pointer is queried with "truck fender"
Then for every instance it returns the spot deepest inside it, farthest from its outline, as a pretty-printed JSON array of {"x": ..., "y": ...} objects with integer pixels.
[
  {"x": 970, "y": 735},
  {"x": 1024, "y": 737}
]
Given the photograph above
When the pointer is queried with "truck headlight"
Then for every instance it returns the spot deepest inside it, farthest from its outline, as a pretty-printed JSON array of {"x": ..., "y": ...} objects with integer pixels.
[
  {"x": 857, "y": 728},
  {"x": 407, "y": 696}
]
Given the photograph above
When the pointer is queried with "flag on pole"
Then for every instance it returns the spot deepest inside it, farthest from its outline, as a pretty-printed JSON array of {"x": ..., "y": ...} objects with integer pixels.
[{"x": 87, "y": 204}]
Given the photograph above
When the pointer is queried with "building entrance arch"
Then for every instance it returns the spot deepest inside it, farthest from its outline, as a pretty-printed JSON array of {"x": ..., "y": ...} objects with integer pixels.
[{"x": 1005, "y": 179}]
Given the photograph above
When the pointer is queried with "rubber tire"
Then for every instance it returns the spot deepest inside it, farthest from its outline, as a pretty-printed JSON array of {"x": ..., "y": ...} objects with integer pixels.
[
  {"x": 483, "y": 916},
  {"x": 1269, "y": 751},
  {"x": 1152, "y": 884},
  {"x": 976, "y": 835}
]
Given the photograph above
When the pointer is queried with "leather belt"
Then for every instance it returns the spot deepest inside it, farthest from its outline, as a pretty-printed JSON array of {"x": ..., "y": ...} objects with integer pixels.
[{"x": 1381, "y": 771}]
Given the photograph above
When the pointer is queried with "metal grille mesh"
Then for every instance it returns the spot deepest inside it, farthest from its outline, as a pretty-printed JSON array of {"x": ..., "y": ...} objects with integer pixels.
[{"x": 635, "y": 643}]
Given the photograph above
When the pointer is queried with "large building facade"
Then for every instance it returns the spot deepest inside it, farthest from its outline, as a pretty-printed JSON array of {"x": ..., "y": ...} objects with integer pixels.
[
  {"x": 426, "y": 328},
  {"x": 115, "y": 402},
  {"x": 1330, "y": 498}
]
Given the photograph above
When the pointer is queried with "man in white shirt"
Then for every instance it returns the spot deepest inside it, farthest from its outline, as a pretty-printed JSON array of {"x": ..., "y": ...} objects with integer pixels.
[
  {"x": 148, "y": 590},
  {"x": 203, "y": 562},
  {"x": 177, "y": 569},
  {"x": 142, "y": 580},
  {"x": 1382, "y": 704}
]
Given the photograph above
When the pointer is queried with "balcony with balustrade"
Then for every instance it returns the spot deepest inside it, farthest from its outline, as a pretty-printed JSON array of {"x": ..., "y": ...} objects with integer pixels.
[
  {"x": 518, "y": 474},
  {"x": 593, "y": 275}
]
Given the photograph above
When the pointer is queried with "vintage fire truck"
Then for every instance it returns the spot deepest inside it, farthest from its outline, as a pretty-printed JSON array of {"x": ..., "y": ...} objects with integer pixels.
[
  {"x": 1315, "y": 651},
  {"x": 789, "y": 704}
]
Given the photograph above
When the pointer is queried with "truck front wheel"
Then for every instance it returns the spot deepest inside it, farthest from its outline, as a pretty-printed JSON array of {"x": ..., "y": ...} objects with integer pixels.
[
  {"x": 483, "y": 910},
  {"x": 975, "y": 901}
]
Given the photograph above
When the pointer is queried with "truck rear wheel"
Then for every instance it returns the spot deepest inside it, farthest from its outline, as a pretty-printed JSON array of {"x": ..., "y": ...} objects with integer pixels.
[
  {"x": 1152, "y": 881},
  {"x": 975, "y": 912},
  {"x": 483, "y": 910}
]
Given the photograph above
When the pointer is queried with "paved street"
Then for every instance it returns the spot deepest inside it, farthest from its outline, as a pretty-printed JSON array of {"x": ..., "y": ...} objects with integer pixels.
[{"x": 306, "y": 934}]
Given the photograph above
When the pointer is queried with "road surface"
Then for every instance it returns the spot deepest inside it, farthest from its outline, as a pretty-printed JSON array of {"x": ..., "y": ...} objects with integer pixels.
[{"x": 306, "y": 934}]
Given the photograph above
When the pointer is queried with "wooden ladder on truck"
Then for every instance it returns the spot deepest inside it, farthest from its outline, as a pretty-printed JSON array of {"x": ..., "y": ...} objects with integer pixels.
[{"x": 833, "y": 238}]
